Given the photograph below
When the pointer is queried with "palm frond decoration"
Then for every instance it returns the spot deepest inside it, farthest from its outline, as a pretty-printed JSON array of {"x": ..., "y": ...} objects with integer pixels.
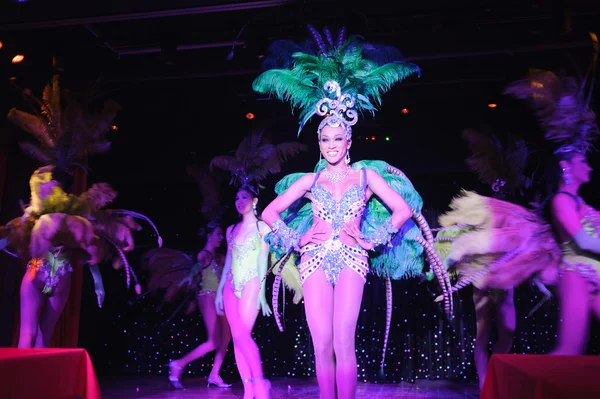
[
  {"x": 501, "y": 166},
  {"x": 298, "y": 73},
  {"x": 65, "y": 127},
  {"x": 562, "y": 105},
  {"x": 255, "y": 158}
]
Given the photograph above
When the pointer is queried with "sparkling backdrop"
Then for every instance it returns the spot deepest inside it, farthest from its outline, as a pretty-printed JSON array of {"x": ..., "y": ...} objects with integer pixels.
[
  {"x": 424, "y": 344},
  {"x": 132, "y": 336}
]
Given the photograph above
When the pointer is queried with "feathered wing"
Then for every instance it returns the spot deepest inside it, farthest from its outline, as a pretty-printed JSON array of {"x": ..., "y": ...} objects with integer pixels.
[
  {"x": 166, "y": 269},
  {"x": 404, "y": 257},
  {"x": 496, "y": 244}
]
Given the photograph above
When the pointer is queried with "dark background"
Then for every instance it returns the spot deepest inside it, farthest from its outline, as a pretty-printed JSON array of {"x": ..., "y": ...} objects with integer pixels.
[{"x": 185, "y": 106}]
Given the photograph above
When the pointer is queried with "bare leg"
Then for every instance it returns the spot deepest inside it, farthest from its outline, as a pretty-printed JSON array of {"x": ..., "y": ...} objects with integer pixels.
[
  {"x": 241, "y": 315},
  {"x": 506, "y": 320},
  {"x": 318, "y": 303},
  {"x": 52, "y": 311},
  {"x": 224, "y": 339},
  {"x": 574, "y": 311},
  {"x": 32, "y": 301},
  {"x": 347, "y": 298},
  {"x": 483, "y": 315},
  {"x": 206, "y": 304}
]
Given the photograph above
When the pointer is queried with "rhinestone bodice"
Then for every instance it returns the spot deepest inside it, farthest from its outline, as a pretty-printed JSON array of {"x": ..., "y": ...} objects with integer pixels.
[{"x": 338, "y": 213}]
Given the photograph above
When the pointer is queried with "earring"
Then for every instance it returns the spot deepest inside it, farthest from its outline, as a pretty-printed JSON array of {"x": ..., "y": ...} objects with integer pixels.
[
  {"x": 320, "y": 156},
  {"x": 566, "y": 176},
  {"x": 347, "y": 159},
  {"x": 254, "y": 208}
]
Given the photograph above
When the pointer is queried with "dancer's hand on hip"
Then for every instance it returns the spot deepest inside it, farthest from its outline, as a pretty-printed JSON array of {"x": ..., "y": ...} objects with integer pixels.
[
  {"x": 353, "y": 231},
  {"x": 314, "y": 235},
  {"x": 261, "y": 304}
]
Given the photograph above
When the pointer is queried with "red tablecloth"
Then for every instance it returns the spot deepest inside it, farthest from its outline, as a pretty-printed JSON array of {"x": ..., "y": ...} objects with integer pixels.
[
  {"x": 542, "y": 376},
  {"x": 51, "y": 373}
]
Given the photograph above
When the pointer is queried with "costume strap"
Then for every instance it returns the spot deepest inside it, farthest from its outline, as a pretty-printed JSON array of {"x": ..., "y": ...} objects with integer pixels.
[
  {"x": 317, "y": 174},
  {"x": 211, "y": 258}
]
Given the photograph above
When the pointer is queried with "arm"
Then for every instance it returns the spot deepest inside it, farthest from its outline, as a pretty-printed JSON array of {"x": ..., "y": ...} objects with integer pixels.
[
  {"x": 565, "y": 215},
  {"x": 296, "y": 191},
  {"x": 263, "y": 263},
  {"x": 226, "y": 268},
  {"x": 263, "y": 254},
  {"x": 98, "y": 285},
  {"x": 401, "y": 212},
  {"x": 283, "y": 236},
  {"x": 228, "y": 260}
]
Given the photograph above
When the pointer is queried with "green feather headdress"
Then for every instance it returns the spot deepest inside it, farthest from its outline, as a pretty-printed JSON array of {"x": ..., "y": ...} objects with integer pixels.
[{"x": 337, "y": 80}]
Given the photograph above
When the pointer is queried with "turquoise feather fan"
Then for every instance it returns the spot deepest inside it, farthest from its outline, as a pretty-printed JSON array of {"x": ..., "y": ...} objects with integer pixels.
[{"x": 363, "y": 70}]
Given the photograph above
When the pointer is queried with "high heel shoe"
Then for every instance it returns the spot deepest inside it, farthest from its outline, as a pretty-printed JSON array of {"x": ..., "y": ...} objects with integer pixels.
[
  {"x": 174, "y": 376},
  {"x": 266, "y": 388},
  {"x": 218, "y": 382}
]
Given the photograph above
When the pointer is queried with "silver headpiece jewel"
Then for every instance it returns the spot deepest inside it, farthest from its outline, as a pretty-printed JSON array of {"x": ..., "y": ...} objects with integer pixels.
[{"x": 338, "y": 111}]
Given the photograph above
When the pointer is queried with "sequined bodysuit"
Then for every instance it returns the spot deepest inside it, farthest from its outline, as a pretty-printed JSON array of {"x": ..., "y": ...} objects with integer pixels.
[
  {"x": 333, "y": 255},
  {"x": 244, "y": 262},
  {"x": 586, "y": 264},
  {"x": 210, "y": 278}
]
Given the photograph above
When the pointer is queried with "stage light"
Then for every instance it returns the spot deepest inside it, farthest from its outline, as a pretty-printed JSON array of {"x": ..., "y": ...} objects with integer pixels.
[
  {"x": 114, "y": 127},
  {"x": 249, "y": 116},
  {"x": 492, "y": 105},
  {"x": 18, "y": 58},
  {"x": 404, "y": 111},
  {"x": 372, "y": 138},
  {"x": 1, "y": 44},
  {"x": 387, "y": 138}
]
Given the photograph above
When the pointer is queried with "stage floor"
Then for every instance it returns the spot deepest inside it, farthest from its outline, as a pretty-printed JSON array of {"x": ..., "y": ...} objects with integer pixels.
[{"x": 157, "y": 388}]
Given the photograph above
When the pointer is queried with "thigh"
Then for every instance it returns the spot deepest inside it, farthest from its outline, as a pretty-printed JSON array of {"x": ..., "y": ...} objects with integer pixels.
[
  {"x": 318, "y": 305},
  {"x": 248, "y": 303},
  {"x": 347, "y": 299},
  {"x": 206, "y": 304},
  {"x": 56, "y": 303},
  {"x": 32, "y": 301},
  {"x": 484, "y": 305}
]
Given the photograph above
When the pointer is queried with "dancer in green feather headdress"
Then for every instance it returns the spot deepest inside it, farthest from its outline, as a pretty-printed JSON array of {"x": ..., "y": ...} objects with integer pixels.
[{"x": 336, "y": 214}]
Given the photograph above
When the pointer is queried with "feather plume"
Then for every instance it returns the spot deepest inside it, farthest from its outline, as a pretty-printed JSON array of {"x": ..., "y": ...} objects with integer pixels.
[
  {"x": 67, "y": 128},
  {"x": 500, "y": 166},
  {"x": 255, "y": 159},
  {"x": 561, "y": 105},
  {"x": 363, "y": 70}
]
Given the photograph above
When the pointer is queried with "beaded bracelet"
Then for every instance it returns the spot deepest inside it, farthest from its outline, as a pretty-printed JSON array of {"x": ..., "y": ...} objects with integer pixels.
[
  {"x": 284, "y": 237},
  {"x": 383, "y": 235}
]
